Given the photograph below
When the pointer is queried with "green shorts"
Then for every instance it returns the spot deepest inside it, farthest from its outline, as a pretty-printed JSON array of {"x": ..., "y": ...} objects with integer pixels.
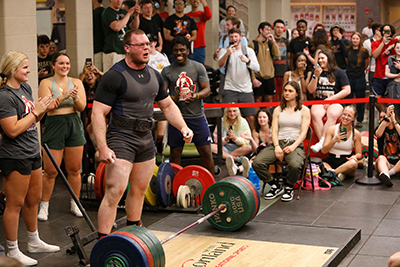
[{"x": 62, "y": 131}]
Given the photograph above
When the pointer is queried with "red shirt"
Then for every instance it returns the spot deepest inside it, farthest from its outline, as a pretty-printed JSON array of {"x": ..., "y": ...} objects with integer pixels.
[
  {"x": 382, "y": 59},
  {"x": 200, "y": 17}
]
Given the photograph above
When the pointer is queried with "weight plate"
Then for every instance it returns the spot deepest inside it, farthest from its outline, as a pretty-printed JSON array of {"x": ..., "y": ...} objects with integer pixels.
[
  {"x": 150, "y": 196},
  {"x": 199, "y": 173},
  {"x": 99, "y": 181},
  {"x": 183, "y": 196},
  {"x": 165, "y": 176},
  {"x": 176, "y": 167},
  {"x": 253, "y": 189},
  {"x": 239, "y": 199},
  {"x": 118, "y": 248},
  {"x": 154, "y": 245}
]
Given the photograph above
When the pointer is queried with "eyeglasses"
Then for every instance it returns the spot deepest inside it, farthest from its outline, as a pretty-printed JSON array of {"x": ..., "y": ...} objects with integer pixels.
[
  {"x": 179, "y": 3},
  {"x": 140, "y": 45}
]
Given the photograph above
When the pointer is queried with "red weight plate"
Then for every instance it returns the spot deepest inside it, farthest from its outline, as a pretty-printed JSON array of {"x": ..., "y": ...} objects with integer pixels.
[
  {"x": 253, "y": 189},
  {"x": 176, "y": 167},
  {"x": 199, "y": 173},
  {"x": 99, "y": 181},
  {"x": 141, "y": 244}
]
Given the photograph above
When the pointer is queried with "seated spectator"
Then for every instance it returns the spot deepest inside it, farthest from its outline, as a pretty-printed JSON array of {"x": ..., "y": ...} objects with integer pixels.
[
  {"x": 388, "y": 164},
  {"x": 233, "y": 125},
  {"x": 328, "y": 82},
  {"x": 260, "y": 138},
  {"x": 299, "y": 74},
  {"x": 392, "y": 71},
  {"x": 394, "y": 260},
  {"x": 340, "y": 139},
  {"x": 357, "y": 59},
  {"x": 290, "y": 124}
]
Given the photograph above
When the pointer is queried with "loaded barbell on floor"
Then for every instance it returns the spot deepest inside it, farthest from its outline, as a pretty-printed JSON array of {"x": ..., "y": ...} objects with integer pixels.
[{"x": 229, "y": 205}]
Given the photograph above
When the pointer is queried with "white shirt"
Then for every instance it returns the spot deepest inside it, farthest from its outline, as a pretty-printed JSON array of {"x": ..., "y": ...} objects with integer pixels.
[
  {"x": 158, "y": 61},
  {"x": 368, "y": 32},
  {"x": 367, "y": 45}
]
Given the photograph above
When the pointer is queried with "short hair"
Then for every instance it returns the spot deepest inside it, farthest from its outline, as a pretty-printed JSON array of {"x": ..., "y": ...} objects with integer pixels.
[
  {"x": 180, "y": 40},
  {"x": 145, "y": 2},
  {"x": 184, "y": 1},
  {"x": 262, "y": 25},
  {"x": 301, "y": 20},
  {"x": 234, "y": 30},
  {"x": 375, "y": 26},
  {"x": 371, "y": 19},
  {"x": 9, "y": 64},
  {"x": 129, "y": 3},
  {"x": 278, "y": 21},
  {"x": 235, "y": 20},
  {"x": 392, "y": 29},
  {"x": 43, "y": 39},
  {"x": 128, "y": 35}
]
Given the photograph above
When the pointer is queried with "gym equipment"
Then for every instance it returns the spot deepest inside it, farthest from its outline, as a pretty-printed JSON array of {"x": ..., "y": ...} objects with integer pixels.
[
  {"x": 150, "y": 196},
  {"x": 233, "y": 202},
  {"x": 165, "y": 176}
]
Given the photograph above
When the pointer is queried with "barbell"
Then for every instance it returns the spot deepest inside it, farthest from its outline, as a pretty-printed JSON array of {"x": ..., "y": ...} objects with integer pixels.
[{"x": 229, "y": 205}]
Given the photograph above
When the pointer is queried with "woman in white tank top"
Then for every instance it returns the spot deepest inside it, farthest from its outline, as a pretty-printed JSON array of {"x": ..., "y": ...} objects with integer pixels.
[
  {"x": 340, "y": 139},
  {"x": 299, "y": 74}
]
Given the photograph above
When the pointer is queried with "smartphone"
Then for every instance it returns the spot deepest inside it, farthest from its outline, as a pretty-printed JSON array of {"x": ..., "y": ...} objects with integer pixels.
[
  {"x": 230, "y": 127},
  {"x": 88, "y": 62},
  {"x": 231, "y": 43},
  {"x": 317, "y": 66},
  {"x": 343, "y": 130}
]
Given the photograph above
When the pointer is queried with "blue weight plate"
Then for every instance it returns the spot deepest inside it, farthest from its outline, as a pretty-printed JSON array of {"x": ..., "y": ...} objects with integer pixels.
[
  {"x": 165, "y": 177},
  {"x": 119, "y": 248}
]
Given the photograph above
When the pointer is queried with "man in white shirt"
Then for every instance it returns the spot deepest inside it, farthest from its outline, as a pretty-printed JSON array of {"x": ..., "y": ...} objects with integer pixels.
[
  {"x": 367, "y": 44},
  {"x": 367, "y": 32}
]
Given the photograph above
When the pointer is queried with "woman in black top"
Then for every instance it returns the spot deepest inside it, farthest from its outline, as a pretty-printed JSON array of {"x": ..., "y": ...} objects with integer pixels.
[{"x": 357, "y": 59}]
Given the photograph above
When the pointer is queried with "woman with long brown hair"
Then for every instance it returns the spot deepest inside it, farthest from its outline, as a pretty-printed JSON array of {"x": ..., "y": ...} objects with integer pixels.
[
  {"x": 357, "y": 59},
  {"x": 327, "y": 82}
]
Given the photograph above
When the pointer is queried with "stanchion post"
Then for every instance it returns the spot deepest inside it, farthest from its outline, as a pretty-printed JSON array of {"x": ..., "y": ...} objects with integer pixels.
[{"x": 369, "y": 179}]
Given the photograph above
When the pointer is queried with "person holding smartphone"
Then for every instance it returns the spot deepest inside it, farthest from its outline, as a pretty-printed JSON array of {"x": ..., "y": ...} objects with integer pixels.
[
  {"x": 340, "y": 139},
  {"x": 381, "y": 50}
]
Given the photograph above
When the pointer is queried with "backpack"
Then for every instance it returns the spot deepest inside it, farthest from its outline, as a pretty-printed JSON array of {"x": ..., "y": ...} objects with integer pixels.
[
  {"x": 244, "y": 52},
  {"x": 256, "y": 47}
]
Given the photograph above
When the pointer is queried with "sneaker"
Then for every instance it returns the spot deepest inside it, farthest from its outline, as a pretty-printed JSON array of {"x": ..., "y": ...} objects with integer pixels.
[
  {"x": 42, "y": 247},
  {"x": 274, "y": 192},
  {"x": 385, "y": 179},
  {"x": 43, "y": 214},
  {"x": 231, "y": 166},
  {"x": 358, "y": 124},
  {"x": 246, "y": 167},
  {"x": 75, "y": 210},
  {"x": 25, "y": 260},
  {"x": 317, "y": 147},
  {"x": 341, "y": 176},
  {"x": 288, "y": 195}
]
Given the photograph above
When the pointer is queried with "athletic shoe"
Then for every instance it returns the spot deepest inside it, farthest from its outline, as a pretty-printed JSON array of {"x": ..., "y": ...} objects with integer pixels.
[
  {"x": 317, "y": 147},
  {"x": 341, "y": 176},
  {"x": 274, "y": 192},
  {"x": 25, "y": 260},
  {"x": 246, "y": 167},
  {"x": 42, "y": 247},
  {"x": 385, "y": 179},
  {"x": 231, "y": 166},
  {"x": 75, "y": 210},
  {"x": 288, "y": 195},
  {"x": 43, "y": 214},
  {"x": 358, "y": 124}
]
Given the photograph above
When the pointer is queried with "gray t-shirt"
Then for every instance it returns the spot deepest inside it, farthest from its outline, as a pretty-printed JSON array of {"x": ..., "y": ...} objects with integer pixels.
[
  {"x": 185, "y": 79},
  {"x": 18, "y": 102}
]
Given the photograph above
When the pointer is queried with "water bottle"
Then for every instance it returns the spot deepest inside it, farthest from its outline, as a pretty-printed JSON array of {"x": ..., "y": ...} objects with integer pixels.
[
  {"x": 254, "y": 178},
  {"x": 365, "y": 165}
]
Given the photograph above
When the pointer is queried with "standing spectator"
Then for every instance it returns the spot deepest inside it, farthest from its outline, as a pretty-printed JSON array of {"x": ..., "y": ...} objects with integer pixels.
[
  {"x": 161, "y": 10},
  {"x": 290, "y": 124},
  {"x": 320, "y": 40},
  {"x": 53, "y": 48},
  {"x": 339, "y": 45},
  {"x": 230, "y": 11},
  {"x": 98, "y": 34},
  {"x": 179, "y": 24},
  {"x": 357, "y": 62},
  {"x": 20, "y": 160},
  {"x": 393, "y": 72},
  {"x": 280, "y": 63},
  {"x": 63, "y": 131},
  {"x": 115, "y": 22},
  {"x": 200, "y": 17},
  {"x": 188, "y": 85},
  {"x": 238, "y": 61},
  {"x": 147, "y": 24},
  {"x": 295, "y": 34},
  {"x": 367, "y": 44},
  {"x": 299, "y": 73},
  {"x": 328, "y": 82},
  {"x": 299, "y": 44},
  {"x": 265, "y": 48},
  {"x": 381, "y": 50},
  {"x": 388, "y": 164},
  {"x": 44, "y": 58},
  {"x": 368, "y": 32}
]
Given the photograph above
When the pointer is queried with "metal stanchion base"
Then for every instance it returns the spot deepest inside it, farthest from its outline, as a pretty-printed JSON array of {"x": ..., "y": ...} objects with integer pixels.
[{"x": 368, "y": 180}]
